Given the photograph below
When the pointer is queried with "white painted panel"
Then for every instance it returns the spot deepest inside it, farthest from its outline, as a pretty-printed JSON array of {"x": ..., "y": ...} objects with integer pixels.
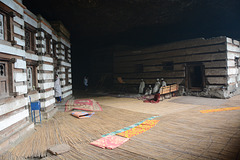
[
  {"x": 18, "y": 20},
  {"x": 12, "y": 50},
  {"x": 45, "y": 76},
  {"x": 32, "y": 56},
  {"x": 62, "y": 52},
  {"x": 29, "y": 20},
  {"x": 236, "y": 42},
  {"x": 21, "y": 64},
  {"x": 229, "y": 40},
  {"x": 18, "y": 30},
  {"x": 19, "y": 77},
  {"x": 62, "y": 69},
  {"x": 231, "y": 63},
  {"x": 46, "y": 59},
  {"x": 54, "y": 37},
  {"x": 70, "y": 80},
  {"x": 231, "y": 79},
  {"x": 67, "y": 94},
  {"x": 13, "y": 5},
  {"x": 13, "y": 105},
  {"x": 5, "y": 123},
  {"x": 21, "y": 89},
  {"x": 61, "y": 57},
  {"x": 232, "y": 55},
  {"x": 46, "y": 67},
  {"x": 66, "y": 64},
  {"x": 44, "y": 27},
  {"x": 231, "y": 47},
  {"x": 48, "y": 103},
  {"x": 34, "y": 97},
  {"x": 19, "y": 41},
  {"x": 64, "y": 42},
  {"x": 47, "y": 94},
  {"x": 65, "y": 88},
  {"x": 46, "y": 85},
  {"x": 232, "y": 71}
]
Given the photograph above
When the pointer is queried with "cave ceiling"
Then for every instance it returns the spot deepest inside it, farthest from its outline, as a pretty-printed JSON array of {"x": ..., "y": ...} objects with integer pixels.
[{"x": 139, "y": 20}]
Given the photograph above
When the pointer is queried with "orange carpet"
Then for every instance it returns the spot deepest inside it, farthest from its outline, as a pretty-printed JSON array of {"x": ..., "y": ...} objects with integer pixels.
[
  {"x": 146, "y": 125},
  {"x": 220, "y": 109}
]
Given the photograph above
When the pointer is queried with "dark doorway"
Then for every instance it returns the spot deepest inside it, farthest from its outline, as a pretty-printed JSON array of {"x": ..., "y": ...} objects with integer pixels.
[{"x": 195, "y": 77}]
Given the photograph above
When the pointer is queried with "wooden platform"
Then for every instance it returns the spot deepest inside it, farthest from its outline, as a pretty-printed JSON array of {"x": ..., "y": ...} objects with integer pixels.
[{"x": 182, "y": 132}]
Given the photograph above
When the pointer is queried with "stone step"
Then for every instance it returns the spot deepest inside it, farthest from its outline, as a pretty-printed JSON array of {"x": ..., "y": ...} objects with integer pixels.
[
  {"x": 50, "y": 113},
  {"x": 15, "y": 137}
]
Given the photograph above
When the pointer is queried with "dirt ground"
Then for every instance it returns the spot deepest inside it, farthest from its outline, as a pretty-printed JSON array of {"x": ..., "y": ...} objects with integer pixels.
[{"x": 183, "y": 132}]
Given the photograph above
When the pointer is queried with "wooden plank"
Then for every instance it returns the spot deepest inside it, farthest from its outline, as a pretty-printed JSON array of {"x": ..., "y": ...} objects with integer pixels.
[
  {"x": 151, "y": 81},
  {"x": 155, "y": 74},
  {"x": 215, "y": 72},
  {"x": 184, "y": 59},
  {"x": 174, "y": 53},
  {"x": 152, "y": 68},
  {"x": 217, "y": 80},
  {"x": 177, "y": 45},
  {"x": 215, "y": 64}
]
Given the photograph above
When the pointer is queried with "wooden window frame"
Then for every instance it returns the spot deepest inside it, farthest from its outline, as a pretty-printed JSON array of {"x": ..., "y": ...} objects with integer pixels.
[
  {"x": 8, "y": 15},
  {"x": 66, "y": 76},
  {"x": 33, "y": 65},
  {"x": 48, "y": 43},
  {"x": 9, "y": 71},
  {"x": 66, "y": 53},
  {"x": 31, "y": 30},
  {"x": 54, "y": 44}
]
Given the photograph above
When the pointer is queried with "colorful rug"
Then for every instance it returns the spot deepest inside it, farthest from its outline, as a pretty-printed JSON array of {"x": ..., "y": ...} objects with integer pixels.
[
  {"x": 82, "y": 114},
  {"x": 146, "y": 125},
  {"x": 220, "y": 109},
  {"x": 82, "y": 104},
  {"x": 129, "y": 127},
  {"x": 109, "y": 142}
]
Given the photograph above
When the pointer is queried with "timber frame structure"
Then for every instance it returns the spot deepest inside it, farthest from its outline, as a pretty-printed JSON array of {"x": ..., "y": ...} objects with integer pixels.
[
  {"x": 32, "y": 51},
  {"x": 201, "y": 67}
]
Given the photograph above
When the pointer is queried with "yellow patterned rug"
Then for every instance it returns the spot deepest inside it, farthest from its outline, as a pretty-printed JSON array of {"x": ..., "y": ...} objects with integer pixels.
[
  {"x": 220, "y": 109},
  {"x": 146, "y": 125}
]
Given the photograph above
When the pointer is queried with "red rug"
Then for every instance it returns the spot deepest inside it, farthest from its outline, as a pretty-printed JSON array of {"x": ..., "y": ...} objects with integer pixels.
[
  {"x": 156, "y": 99},
  {"x": 82, "y": 104}
]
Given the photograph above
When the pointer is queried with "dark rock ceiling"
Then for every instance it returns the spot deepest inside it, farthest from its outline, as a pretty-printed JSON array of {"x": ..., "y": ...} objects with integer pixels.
[{"x": 98, "y": 23}]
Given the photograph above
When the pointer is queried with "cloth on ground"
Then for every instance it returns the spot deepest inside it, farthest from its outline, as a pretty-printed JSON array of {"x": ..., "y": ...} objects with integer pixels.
[
  {"x": 129, "y": 127},
  {"x": 109, "y": 142},
  {"x": 82, "y": 104},
  {"x": 146, "y": 125},
  {"x": 82, "y": 114},
  {"x": 156, "y": 99},
  {"x": 220, "y": 109}
]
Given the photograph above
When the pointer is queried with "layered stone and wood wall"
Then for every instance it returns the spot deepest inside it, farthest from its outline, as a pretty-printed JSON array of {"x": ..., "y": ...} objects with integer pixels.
[
  {"x": 28, "y": 61},
  {"x": 203, "y": 67}
]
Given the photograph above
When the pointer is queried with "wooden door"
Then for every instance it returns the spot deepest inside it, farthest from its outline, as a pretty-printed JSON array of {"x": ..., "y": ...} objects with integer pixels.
[{"x": 195, "y": 77}]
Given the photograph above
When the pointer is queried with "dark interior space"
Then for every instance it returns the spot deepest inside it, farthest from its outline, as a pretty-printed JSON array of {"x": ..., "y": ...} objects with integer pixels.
[
  {"x": 196, "y": 79},
  {"x": 101, "y": 27}
]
